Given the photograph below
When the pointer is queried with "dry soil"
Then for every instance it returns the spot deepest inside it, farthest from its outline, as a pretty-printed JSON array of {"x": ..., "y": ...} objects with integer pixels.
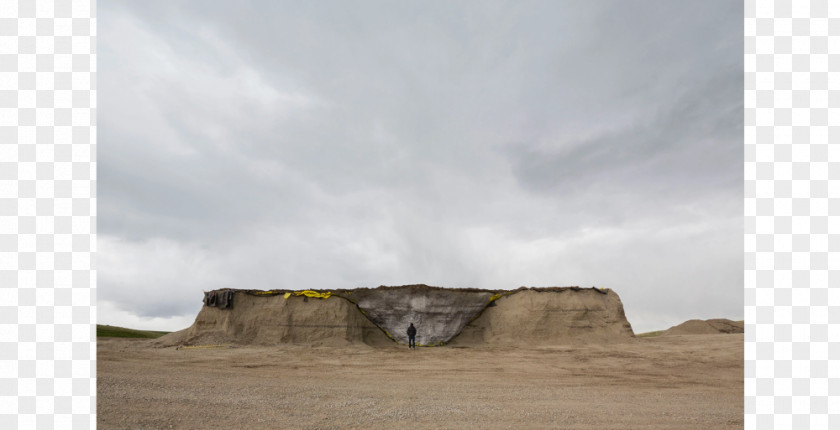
[{"x": 666, "y": 382}]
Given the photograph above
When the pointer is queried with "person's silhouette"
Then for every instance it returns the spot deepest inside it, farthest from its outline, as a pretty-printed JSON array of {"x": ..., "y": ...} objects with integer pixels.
[{"x": 411, "y": 333}]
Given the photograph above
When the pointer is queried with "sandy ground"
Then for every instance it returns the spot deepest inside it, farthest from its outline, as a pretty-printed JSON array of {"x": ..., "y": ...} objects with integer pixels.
[{"x": 668, "y": 382}]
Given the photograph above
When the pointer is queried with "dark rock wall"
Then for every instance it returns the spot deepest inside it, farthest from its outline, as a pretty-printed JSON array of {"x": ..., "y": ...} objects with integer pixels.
[{"x": 438, "y": 314}]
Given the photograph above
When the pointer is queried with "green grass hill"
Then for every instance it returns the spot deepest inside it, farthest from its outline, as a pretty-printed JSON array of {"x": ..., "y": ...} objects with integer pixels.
[{"x": 112, "y": 331}]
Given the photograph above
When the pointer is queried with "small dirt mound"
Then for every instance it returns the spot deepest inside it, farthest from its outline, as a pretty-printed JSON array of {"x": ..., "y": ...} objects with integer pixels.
[{"x": 712, "y": 326}]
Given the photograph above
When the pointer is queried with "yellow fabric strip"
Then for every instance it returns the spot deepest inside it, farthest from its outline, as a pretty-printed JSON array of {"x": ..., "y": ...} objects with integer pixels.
[
  {"x": 310, "y": 293},
  {"x": 499, "y": 296}
]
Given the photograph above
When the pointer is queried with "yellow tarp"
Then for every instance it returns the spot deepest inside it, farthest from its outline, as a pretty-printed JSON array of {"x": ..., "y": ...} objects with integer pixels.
[
  {"x": 497, "y": 296},
  {"x": 309, "y": 293}
]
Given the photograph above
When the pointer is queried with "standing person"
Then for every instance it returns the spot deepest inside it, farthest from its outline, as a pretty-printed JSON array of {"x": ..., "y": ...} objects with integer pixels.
[{"x": 411, "y": 333}]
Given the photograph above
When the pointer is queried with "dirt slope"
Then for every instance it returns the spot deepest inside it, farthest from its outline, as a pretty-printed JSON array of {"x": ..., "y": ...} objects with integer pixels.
[
  {"x": 274, "y": 320},
  {"x": 712, "y": 326},
  {"x": 549, "y": 317}
]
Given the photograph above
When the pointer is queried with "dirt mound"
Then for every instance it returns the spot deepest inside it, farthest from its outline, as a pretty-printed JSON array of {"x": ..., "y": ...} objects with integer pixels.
[
  {"x": 549, "y": 316},
  {"x": 468, "y": 317},
  {"x": 272, "y": 320},
  {"x": 712, "y": 326}
]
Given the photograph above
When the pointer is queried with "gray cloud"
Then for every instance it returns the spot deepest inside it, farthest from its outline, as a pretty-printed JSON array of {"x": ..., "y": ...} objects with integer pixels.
[
  {"x": 690, "y": 145},
  {"x": 285, "y": 144}
]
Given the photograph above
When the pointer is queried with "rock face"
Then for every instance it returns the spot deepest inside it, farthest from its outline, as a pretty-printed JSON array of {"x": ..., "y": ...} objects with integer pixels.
[
  {"x": 380, "y": 316},
  {"x": 439, "y": 314}
]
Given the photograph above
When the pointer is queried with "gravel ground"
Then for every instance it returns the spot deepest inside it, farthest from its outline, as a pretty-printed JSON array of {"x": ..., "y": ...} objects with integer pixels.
[{"x": 685, "y": 382}]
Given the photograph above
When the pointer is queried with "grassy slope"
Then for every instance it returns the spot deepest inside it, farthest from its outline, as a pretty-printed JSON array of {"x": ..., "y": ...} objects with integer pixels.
[{"x": 111, "y": 331}]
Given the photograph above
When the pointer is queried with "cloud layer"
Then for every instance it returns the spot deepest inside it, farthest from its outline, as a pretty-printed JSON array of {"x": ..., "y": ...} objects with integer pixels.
[{"x": 491, "y": 145}]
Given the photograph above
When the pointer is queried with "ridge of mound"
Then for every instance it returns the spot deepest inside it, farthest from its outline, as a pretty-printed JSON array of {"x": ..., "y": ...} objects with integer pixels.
[
  {"x": 417, "y": 287},
  {"x": 712, "y": 326},
  {"x": 549, "y": 316}
]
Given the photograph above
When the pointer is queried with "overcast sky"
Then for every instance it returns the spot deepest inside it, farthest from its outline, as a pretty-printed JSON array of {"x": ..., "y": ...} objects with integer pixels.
[{"x": 317, "y": 145}]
